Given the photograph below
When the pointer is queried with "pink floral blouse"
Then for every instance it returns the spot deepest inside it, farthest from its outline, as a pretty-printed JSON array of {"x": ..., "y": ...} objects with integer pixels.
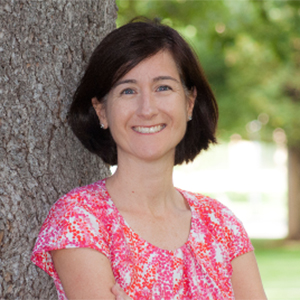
[{"x": 200, "y": 269}]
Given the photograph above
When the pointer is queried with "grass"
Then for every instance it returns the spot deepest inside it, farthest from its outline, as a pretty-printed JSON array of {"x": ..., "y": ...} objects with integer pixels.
[{"x": 279, "y": 264}]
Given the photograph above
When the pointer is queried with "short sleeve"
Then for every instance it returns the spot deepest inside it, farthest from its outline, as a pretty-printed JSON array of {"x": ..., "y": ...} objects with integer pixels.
[
  {"x": 233, "y": 233},
  {"x": 68, "y": 226}
]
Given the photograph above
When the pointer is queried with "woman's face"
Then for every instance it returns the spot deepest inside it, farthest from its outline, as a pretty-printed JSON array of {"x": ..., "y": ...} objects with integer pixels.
[{"x": 147, "y": 110}]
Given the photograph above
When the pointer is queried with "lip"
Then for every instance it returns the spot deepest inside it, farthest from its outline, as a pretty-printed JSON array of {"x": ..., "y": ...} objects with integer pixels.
[{"x": 149, "y": 129}]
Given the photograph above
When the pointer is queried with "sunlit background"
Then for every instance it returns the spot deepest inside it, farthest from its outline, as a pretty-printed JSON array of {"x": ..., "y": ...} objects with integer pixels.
[
  {"x": 248, "y": 177},
  {"x": 250, "y": 51}
]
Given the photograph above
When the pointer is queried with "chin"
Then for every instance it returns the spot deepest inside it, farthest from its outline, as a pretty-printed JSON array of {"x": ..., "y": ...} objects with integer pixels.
[{"x": 152, "y": 156}]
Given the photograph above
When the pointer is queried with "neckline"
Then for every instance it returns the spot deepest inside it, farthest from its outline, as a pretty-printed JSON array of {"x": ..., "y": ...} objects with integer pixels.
[{"x": 124, "y": 222}]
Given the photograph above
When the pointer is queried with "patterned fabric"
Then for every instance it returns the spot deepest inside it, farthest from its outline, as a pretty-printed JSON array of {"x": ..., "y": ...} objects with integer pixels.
[{"x": 200, "y": 269}]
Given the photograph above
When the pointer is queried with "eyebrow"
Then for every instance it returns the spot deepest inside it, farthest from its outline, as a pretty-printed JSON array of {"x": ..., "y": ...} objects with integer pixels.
[
  {"x": 125, "y": 81},
  {"x": 165, "y": 78},
  {"x": 159, "y": 78}
]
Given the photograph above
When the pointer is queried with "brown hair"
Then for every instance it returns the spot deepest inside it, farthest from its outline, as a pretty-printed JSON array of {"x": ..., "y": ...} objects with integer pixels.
[{"x": 116, "y": 55}]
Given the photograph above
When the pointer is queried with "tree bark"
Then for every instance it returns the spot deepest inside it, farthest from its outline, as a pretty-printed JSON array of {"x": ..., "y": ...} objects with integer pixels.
[
  {"x": 294, "y": 191},
  {"x": 44, "y": 46}
]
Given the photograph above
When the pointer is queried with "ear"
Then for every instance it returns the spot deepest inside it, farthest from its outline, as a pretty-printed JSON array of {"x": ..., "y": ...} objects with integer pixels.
[
  {"x": 191, "y": 101},
  {"x": 99, "y": 108}
]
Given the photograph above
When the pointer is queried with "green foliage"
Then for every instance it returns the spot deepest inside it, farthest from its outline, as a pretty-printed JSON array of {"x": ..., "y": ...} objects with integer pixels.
[
  {"x": 278, "y": 262},
  {"x": 250, "y": 51}
]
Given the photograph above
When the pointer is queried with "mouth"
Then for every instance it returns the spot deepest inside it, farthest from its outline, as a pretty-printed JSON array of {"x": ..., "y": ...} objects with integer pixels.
[{"x": 147, "y": 130}]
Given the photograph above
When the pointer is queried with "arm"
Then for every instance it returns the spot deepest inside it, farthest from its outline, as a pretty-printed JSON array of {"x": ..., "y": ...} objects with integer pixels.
[
  {"x": 85, "y": 273},
  {"x": 246, "y": 279}
]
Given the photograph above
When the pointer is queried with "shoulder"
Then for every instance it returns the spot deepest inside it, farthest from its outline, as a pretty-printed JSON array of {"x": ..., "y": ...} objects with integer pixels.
[
  {"x": 207, "y": 206},
  {"x": 91, "y": 198},
  {"x": 83, "y": 213},
  {"x": 91, "y": 193},
  {"x": 213, "y": 217}
]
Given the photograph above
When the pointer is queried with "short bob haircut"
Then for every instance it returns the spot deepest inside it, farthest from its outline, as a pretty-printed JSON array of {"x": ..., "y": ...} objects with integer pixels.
[{"x": 119, "y": 52}]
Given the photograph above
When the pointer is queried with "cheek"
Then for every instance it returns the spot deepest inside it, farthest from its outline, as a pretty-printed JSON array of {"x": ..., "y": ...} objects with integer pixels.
[
  {"x": 120, "y": 108},
  {"x": 183, "y": 111},
  {"x": 117, "y": 117},
  {"x": 113, "y": 114}
]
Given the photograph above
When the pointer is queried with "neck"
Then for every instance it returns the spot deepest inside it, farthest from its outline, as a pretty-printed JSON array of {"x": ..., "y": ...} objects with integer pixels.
[{"x": 143, "y": 185}]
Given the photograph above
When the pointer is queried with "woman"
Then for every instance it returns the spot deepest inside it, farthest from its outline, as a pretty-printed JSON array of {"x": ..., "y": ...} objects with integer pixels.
[{"x": 145, "y": 105}]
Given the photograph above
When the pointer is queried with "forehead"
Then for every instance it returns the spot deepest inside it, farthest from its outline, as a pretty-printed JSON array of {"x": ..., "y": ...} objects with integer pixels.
[{"x": 160, "y": 65}]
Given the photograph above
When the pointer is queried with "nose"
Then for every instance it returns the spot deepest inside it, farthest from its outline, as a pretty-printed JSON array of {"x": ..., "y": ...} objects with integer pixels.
[{"x": 147, "y": 107}]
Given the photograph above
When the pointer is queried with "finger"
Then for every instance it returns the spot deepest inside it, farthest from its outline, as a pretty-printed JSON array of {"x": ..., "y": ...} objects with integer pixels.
[
  {"x": 117, "y": 290},
  {"x": 119, "y": 293}
]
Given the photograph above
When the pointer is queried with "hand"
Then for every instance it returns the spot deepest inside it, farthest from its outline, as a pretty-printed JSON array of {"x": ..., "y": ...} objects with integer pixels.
[{"x": 119, "y": 293}]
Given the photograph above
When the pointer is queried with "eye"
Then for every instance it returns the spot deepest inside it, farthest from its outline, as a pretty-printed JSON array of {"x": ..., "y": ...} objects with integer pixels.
[
  {"x": 127, "y": 91},
  {"x": 164, "y": 88}
]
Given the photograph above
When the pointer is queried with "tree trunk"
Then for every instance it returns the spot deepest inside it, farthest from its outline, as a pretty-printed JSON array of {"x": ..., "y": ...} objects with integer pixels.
[
  {"x": 294, "y": 191},
  {"x": 44, "y": 46}
]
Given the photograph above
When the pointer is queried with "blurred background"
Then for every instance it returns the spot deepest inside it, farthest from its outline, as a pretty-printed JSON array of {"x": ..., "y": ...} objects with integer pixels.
[{"x": 250, "y": 52}]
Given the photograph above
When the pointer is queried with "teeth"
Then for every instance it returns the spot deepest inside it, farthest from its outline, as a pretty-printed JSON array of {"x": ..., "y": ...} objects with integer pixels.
[{"x": 149, "y": 129}]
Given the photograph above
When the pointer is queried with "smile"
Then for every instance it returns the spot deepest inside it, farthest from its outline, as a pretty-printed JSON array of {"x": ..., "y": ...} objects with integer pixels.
[{"x": 152, "y": 129}]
